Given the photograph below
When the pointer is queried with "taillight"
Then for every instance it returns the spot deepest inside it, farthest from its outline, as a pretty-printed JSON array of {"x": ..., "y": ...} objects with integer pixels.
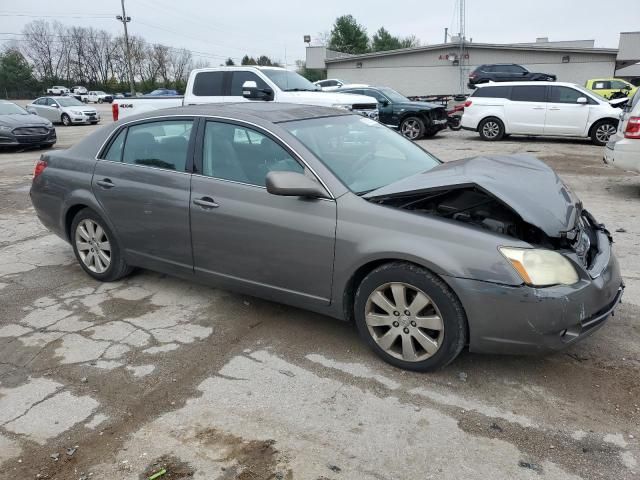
[
  {"x": 467, "y": 104},
  {"x": 633, "y": 128},
  {"x": 39, "y": 168},
  {"x": 115, "y": 111}
]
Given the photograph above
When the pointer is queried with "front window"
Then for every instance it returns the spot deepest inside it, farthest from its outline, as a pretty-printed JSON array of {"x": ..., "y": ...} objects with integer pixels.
[
  {"x": 289, "y": 81},
  {"x": 564, "y": 95},
  {"x": 394, "y": 96},
  {"x": 69, "y": 102},
  {"x": 12, "y": 109},
  {"x": 363, "y": 154}
]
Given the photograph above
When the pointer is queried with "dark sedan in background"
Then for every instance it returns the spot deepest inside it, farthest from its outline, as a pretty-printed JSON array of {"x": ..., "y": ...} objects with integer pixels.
[
  {"x": 415, "y": 120},
  {"x": 331, "y": 211},
  {"x": 19, "y": 128},
  {"x": 506, "y": 72}
]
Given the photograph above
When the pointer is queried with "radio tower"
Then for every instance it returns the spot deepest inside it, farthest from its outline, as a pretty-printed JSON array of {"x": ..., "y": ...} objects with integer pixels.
[{"x": 461, "y": 36}]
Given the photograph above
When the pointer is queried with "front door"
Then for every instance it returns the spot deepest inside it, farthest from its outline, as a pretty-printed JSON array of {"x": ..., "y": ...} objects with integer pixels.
[
  {"x": 143, "y": 184},
  {"x": 245, "y": 238},
  {"x": 525, "y": 113},
  {"x": 565, "y": 116}
]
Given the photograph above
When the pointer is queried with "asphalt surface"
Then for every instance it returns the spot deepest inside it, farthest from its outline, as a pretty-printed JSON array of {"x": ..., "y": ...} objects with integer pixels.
[{"x": 121, "y": 380}]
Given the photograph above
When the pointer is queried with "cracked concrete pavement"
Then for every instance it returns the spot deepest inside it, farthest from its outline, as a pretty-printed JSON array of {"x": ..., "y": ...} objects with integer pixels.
[{"x": 155, "y": 371}]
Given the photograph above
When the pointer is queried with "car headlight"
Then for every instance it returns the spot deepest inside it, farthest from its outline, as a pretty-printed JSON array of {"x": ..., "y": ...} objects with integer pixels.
[
  {"x": 5, "y": 129},
  {"x": 76, "y": 112},
  {"x": 539, "y": 267},
  {"x": 339, "y": 105}
]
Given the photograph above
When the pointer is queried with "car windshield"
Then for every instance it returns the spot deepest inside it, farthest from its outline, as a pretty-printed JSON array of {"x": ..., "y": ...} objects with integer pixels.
[
  {"x": 394, "y": 96},
  {"x": 12, "y": 109},
  {"x": 362, "y": 153},
  {"x": 69, "y": 102},
  {"x": 290, "y": 81}
]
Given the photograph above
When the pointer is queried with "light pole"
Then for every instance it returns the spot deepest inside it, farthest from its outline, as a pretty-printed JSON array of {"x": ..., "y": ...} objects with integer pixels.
[{"x": 124, "y": 19}]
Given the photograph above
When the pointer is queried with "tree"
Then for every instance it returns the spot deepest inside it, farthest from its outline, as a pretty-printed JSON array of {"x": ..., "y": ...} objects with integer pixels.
[
  {"x": 247, "y": 60},
  {"x": 311, "y": 74},
  {"x": 264, "y": 61},
  {"x": 16, "y": 75},
  {"x": 229, "y": 62},
  {"x": 347, "y": 36},
  {"x": 383, "y": 40}
]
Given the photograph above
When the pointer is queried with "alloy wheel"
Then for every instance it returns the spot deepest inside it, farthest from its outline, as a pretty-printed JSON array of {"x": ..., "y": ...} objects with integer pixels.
[
  {"x": 604, "y": 132},
  {"x": 66, "y": 121},
  {"x": 404, "y": 321},
  {"x": 491, "y": 129},
  {"x": 93, "y": 246},
  {"x": 411, "y": 129}
]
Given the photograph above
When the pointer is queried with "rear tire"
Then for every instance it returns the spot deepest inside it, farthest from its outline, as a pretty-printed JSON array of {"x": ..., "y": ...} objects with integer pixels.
[
  {"x": 602, "y": 131},
  {"x": 100, "y": 100},
  {"x": 491, "y": 129},
  {"x": 421, "y": 325},
  {"x": 96, "y": 247}
]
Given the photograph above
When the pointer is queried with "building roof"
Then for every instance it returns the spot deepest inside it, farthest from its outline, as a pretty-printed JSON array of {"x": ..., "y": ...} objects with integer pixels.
[{"x": 540, "y": 47}]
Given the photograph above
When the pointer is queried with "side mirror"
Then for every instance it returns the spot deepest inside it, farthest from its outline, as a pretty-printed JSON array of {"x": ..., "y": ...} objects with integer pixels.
[
  {"x": 582, "y": 100},
  {"x": 251, "y": 91},
  {"x": 384, "y": 103},
  {"x": 294, "y": 184}
]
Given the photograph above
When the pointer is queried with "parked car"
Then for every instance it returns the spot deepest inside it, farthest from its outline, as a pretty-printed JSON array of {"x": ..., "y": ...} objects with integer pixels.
[
  {"x": 330, "y": 211},
  {"x": 77, "y": 96},
  {"x": 623, "y": 148},
  {"x": 611, "y": 88},
  {"x": 332, "y": 84},
  {"x": 413, "y": 119},
  {"x": 19, "y": 128},
  {"x": 539, "y": 108},
  {"x": 505, "y": 72},
  {"x": 57, "y": 90},
  {"x": 65, "y": 110},
  {"x": 160, "y": 92},
  {"x": 244, "y": 84},
  {"x": 98, "y": 96},
  {"x": 79, "y": 90}
]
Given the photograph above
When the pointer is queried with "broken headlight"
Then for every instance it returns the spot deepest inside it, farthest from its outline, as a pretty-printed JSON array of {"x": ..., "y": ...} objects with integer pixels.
[{"x": 539, "y": 267}]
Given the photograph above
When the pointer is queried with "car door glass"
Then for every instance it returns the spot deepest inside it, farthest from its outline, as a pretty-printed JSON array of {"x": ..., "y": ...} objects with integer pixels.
[
  {"x": 208, "y": 84},
  {"x": 159, "y": 144},
  {"x": 564, "y": 95},
  {"x": 238, "y": 79},
  {"x": 114, "y": 153},
  {"x": 51, "y": 102},
  {"x": 377, "y": 95},
  {"x": 617, "y": 84},
  {"x": 240, "y": 154},
  {"x": 602, "y": 85},
  {"x": 528, "y": 93}
]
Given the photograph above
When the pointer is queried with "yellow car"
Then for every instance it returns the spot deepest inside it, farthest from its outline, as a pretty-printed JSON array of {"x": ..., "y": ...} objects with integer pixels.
[{"x": 611, "y": 87}]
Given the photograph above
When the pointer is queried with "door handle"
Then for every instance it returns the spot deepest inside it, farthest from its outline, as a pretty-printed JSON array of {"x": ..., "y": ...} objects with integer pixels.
[
  {"x": 539, "y": 108},
  {"x": 206, "y": 202},
  {"x": 554, "y": 108},
  {"x": 106, "y": 183}
]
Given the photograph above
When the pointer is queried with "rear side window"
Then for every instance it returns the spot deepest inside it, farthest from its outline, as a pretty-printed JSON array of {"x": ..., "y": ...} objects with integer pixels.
[
  {"x": 209, "y": 84},
  {"x": 115, "y": 149},
  {"x": 238, "y": 79},
  {"x": 528, "y": 93},
  {"x": 158, "y": 144},
  {"x": 601, "y": 85},
  {"x": 492, "y": 92}
]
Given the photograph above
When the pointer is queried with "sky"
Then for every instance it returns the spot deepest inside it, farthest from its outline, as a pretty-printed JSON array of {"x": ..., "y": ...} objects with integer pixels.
[{"x": 214, "y": 30}]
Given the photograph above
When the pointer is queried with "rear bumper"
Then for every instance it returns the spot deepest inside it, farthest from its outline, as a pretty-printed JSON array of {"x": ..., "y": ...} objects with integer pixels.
[
  {"x": 526, "y": 320},
  {"x": 623, "y": 153}
]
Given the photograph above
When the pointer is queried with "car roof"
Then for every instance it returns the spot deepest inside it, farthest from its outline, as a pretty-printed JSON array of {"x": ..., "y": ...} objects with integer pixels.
[
  {"x": 255, "y": 112},
  {"x": 512, "y": 84}
]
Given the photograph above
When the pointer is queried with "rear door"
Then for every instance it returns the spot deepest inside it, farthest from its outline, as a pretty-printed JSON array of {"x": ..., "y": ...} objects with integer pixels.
[
  {"x": 526, "y": 110},
  {"x": 208, "y": 87},
  {"x": 248, "y": 239},
  {"x": 142, "y": 183},
  {"x": 565, "y": 116}
]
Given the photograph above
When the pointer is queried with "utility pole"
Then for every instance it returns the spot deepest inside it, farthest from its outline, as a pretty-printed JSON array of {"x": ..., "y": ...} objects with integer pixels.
[
  {"x": 124, "y": 19},
  {"x": 462, "y": 39}
]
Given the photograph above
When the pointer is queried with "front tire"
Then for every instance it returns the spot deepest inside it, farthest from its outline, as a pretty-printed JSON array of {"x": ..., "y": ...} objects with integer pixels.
[
  {"x": 491, "y": 129},
  {"x": 96, "y": 247},
  {"x": 412, "y": 128},
  {"x": 602, "y": 131},
  {"x": 410, "y": 317},
  {"x": 66, "y": 120}
]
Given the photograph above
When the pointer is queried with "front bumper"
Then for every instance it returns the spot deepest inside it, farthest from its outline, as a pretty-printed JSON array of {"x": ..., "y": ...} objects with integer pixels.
[
  {"x": 85, "y": 118},
  {"x": 527, "y": 320},
  {"x": 26, "y": 137}
]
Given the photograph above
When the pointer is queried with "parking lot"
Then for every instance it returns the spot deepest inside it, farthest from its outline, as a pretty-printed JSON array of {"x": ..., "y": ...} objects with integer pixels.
[{"x": 119, "y": 380}]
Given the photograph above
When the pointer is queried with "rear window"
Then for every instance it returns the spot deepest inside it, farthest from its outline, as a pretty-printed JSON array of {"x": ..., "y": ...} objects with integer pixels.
[
  {"x": 529, "y": 93},
  {"x": 209, "y": 84},
  {"x": 492, "y": 92}
]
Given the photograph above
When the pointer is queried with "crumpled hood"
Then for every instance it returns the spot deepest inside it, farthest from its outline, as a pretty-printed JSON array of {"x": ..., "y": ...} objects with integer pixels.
[
  {"x": 21, "y": 120},
  {"x": 327, "y": 99},
  {"x": 524, "y": 183}
]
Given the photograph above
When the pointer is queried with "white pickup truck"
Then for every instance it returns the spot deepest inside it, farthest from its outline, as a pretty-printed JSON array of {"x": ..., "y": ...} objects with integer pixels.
[{"x": 244, "y": 84}]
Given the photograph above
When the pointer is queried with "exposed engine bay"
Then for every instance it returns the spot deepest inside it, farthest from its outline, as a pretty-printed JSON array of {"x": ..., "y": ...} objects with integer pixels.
[{"x": 474, "y": 206}]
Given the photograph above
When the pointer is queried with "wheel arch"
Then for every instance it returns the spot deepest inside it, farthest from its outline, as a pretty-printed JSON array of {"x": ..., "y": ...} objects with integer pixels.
[{"x": 600, "y": 120}]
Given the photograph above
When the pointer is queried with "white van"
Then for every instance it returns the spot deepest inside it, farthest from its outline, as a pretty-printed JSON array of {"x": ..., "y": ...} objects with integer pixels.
[{"x": 539, "y": 108}]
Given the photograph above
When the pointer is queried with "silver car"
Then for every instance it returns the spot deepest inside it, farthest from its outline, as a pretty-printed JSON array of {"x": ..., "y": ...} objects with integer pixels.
[
  {"x": 65, "y": 110},
  {"x": 332, "y": 212}
]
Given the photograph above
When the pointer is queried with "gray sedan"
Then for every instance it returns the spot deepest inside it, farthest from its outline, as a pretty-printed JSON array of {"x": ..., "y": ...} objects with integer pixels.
[{"x": 333, "y": 212}]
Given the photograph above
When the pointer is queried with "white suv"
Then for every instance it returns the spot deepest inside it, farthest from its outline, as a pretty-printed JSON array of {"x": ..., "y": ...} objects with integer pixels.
[
  {"x": 623, "y": 149},
  {"x": 539, "y": 108}
]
